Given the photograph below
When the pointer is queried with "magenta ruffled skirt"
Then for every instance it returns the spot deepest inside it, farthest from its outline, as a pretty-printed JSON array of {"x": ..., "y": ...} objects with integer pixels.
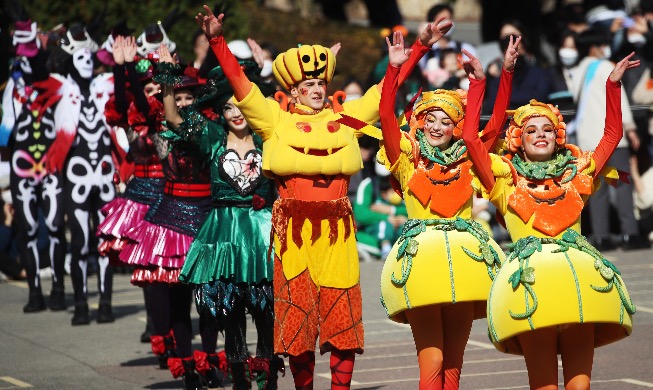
[
  {"x": 155, "y": 245},
  {"x": 121, "y": 215}
]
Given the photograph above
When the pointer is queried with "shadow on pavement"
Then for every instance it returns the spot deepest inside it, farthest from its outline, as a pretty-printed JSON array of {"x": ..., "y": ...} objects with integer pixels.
[{"x": 174, "y": 384}]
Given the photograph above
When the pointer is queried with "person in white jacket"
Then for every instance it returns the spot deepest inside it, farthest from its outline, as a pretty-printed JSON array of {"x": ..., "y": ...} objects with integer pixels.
[{"x": 588, "y": 87}]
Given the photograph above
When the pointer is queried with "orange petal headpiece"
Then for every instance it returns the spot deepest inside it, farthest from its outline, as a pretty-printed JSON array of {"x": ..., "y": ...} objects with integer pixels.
[
  {"x": 304, "y": 63},
  {"x": 452, "y": 103},
  {"x": 521, "y": 115}
]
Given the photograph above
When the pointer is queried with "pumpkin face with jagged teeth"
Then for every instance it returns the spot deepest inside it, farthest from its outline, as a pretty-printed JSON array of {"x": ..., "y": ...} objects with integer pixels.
[
  {"x": 312, "y": 148},
  {"x": 304, "y": 63}
]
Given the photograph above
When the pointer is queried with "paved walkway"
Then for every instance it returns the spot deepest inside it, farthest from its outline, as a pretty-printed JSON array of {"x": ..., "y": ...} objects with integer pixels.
[{"x": 43, "y": 351}]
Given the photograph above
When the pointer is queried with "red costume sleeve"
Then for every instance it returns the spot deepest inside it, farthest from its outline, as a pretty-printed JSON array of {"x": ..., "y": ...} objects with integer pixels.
[
  {"x": 232, "y": 70},
  {"x": 389, "y": 124},
  {"x": 476, "y": 150},
  {"x": 418, "y": 51},
  {"x": 497, "y": 121},
  {"x": 613, "y": 126}
]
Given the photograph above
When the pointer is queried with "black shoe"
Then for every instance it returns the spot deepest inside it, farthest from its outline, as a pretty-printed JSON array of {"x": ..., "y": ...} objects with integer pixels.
[
  {"x": 57, "y": 300},
  {"x": 603, "y": 244},
  {"x": 104, "y": 314},
  {"x": 147, "y": 333},
  {"x": 214, "y": 379},
  {"x": 81, "y": 315},
  {"x": 240, "y": 376},
  {"x": 35, "y": 303},
  {"x": 192, "y": 381},
  {"x": 633, "y": 242}
]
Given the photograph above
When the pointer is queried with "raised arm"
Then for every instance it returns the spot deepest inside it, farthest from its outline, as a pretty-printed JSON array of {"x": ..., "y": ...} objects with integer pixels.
[
  {"x": 169, "y": 105},
  {"x": 119, "y": 79},
  {"x": 613, "y": 126},
  {"x": 476, "y": 150},
  {"x": 397, "y": 55},
  {"x": 493, "y": 128},
  {"x": 212, "y": 27},
  {"x": 432, "y": 33}
]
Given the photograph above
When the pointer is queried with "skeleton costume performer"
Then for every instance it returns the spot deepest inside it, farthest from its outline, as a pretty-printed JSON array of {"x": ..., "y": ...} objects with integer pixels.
[
  {"x": 28, "y": 128},
  {"x": 310, "y": 154},
  {"x": 442, "y": 257},
  {"x": 82, "y": 152},
  {"x": 228, "y": 260},
  {"x": 552, "y": 276}
]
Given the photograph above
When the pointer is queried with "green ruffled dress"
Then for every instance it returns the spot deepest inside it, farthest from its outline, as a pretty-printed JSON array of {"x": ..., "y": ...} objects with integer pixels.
[{"x": 232, "y": 245}]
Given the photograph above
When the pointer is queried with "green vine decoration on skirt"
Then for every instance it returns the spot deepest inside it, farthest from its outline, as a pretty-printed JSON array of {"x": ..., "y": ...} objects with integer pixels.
[
  {"x": 525, "y": 275},
  {"x": 408, "y": 245}
]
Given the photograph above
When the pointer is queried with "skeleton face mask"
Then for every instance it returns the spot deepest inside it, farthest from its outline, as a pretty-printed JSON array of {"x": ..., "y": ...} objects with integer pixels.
[{"x": 83, "y": 62}]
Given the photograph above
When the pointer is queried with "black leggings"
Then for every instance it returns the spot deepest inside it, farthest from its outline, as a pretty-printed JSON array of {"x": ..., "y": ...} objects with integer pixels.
[
  {"x": 170, "y": 309},
  {"x": 235, "y": 328}
]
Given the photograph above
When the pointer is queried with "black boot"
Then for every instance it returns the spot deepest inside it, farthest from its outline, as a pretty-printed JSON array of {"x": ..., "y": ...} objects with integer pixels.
[
  {"x": 164, "y": 348},
  {"x": 35, "y": 302},
  {"x": 149, "y": 330},
  {"x": 81, "y": 315},
  {"x": 266, "y": 370},
  {"x": 105, "y": 314},
  {"x": 57, "y": 300},
  {"x": 208, "y": 366},
  {"x": 186, "y": 369},
  {"x": 240, "y": 376}
]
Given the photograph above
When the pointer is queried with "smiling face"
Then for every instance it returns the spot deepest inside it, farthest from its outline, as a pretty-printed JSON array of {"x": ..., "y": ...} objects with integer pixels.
[
  {"x": 538, "y": 139},
  {"x": 184, "y": 98},
  {"x": 235, "y": 120},
  {"x": 438, "y": 129},
  {"x": 311, "y": 93}
]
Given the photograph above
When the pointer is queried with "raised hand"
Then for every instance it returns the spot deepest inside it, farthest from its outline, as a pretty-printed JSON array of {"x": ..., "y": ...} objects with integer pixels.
[
  {"x": 510, "y": 58},
  {"x": 129, "y": 48},
  {"x": 472, "y": 67},
  {"x": 336, "y": 48},
  {"x": 622, "y": 66},
  {"x": 397, "y": 53},
  {"x": 118, "y": 54},
  {"x": 164, "y": 54},
  {"x": 257, "y": 52},
  {"x": 435, "y": 31},
  {"x": 211, "y": 25}
]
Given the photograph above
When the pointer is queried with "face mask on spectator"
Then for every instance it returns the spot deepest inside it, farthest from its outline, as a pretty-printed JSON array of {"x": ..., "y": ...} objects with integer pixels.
[
  {"x": 568, "y": 56},
  {"x": 607, "y": 52},
  {"x": 636, "y": 39},
  {"x": 464, "y": 84}
]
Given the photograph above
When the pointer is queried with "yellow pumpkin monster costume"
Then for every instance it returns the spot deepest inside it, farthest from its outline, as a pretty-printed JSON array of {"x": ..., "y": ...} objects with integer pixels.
[
  {"x": 310, "y": 154},
  {"x": 552, "y": 276}
]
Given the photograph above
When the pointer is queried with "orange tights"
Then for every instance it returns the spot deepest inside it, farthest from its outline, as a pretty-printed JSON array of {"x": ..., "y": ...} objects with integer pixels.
[
  {"x": 440, "y": 334},
  {"x": 576, "y": 347}
]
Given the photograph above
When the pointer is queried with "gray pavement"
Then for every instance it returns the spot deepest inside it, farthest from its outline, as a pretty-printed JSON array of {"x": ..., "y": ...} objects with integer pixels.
[{"x": 43, "y": 351}]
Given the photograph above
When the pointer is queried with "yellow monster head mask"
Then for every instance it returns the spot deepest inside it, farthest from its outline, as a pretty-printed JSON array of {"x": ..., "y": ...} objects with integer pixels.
[{"x": 304, "y": 63}]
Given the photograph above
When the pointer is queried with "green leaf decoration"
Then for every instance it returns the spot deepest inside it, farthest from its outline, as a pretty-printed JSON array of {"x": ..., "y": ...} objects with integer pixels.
[
  {"x": 607, "y": 273},
  {"x": 515, "y": 278},
  {"x": 487, "y": 254},
  {"x": 411, "y": 248},
  {"x": 611, "y": 266},
  {"x": 528, "y": 275}
]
